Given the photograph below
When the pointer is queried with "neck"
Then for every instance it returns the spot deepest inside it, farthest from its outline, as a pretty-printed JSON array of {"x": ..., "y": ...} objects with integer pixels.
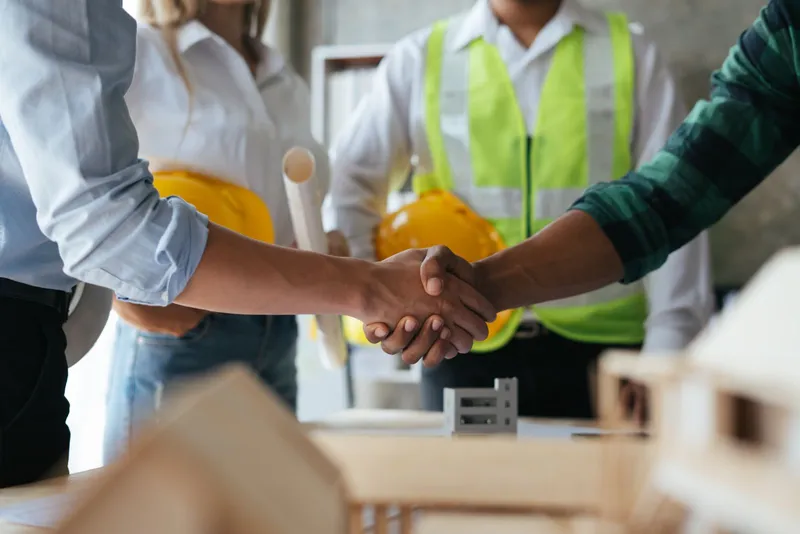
[
  {"x": 525, "y": 18},
  {"x": 227, "y": 21}
]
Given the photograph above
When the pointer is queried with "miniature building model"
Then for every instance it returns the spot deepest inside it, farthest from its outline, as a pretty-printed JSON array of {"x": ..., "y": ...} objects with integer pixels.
[
  {"x": 482, "y": 410},
  {"x": 728, "y": 416},
  {"x": 723, "y": 457},
  {"x": 226, "y": 458}
]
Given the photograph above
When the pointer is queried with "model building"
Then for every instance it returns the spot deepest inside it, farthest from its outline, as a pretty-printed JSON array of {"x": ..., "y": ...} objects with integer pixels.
[
  {"x": 722, "y": 456},
  {"x": 727, "y": 416},
  {"x": 482, "y": 410}
]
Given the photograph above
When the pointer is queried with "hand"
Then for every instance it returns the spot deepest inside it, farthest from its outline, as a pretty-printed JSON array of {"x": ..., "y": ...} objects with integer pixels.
[
  {"x": 337, "y": 244},
  {"x": 172, "y": 320},
  {"x": 431, "y": 342}
]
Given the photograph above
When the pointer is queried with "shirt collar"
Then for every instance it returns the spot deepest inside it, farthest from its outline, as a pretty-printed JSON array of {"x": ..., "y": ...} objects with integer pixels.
[
  {"x": 194, "y": 32},
  {"x": 480, "y": 22}
]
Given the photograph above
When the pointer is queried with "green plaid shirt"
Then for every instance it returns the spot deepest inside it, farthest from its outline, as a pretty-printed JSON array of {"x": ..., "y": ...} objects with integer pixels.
[{"x": 724, "y": 148}]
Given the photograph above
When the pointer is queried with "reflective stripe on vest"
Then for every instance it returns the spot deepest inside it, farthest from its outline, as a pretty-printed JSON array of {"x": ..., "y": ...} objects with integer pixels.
[{"x": 479, "y": 148}]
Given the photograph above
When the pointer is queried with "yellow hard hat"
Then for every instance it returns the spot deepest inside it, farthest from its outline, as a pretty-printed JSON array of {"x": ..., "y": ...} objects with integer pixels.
[
  {"x": 231, "y": 206},
  {"x": 438, "y": 218}
]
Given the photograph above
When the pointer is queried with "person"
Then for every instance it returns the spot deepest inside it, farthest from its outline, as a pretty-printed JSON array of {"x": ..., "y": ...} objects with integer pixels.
[
  {"x": 567, "y": 97},
  {"x": 622, "y": 230},
  {"x": 156, "y": 347},
  {"x": 77, "y": 203}
]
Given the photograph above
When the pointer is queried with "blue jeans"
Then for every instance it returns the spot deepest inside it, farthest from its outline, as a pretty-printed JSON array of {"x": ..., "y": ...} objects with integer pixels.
[{"x": 145, "y": 364}]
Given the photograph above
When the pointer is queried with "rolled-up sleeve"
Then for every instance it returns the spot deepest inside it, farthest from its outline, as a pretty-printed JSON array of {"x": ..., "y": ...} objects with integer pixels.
[
  {"x": 64, "y": 72},
  {"x": 725, "y": 147}
]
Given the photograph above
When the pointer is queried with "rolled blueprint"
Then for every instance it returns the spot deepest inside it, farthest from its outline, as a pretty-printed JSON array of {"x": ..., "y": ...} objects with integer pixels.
[{"x": 305, "y": 205}]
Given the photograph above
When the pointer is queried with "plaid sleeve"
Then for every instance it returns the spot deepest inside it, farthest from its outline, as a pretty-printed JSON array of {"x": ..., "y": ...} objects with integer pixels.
[{"x": 724, "y": 148}]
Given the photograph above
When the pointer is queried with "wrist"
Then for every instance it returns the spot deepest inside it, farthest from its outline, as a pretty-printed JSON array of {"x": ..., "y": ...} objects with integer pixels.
[
  {"x": 358, "y": 275},
  {"x": 502, "y": 282},
  {"x": 483, "y": 282}
]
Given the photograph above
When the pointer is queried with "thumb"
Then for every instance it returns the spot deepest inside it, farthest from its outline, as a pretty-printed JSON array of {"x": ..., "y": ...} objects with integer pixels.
[{"x": 438, "y": 262}]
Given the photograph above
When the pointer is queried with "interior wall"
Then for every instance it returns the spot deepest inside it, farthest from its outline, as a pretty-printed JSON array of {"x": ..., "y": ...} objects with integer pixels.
[{"x": 693, "y": 35}]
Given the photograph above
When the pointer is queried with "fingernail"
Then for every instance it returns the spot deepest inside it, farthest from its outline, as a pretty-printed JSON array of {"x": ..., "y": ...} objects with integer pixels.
[
  {"x": 451, "y": 354},
  {"x": 381, "y": 331},
  {"x": 436, "y": 325},
  {"x": 410, "y": 325},
  {"x": 434, "y": 286},
  {"x": 445, "y": 333}
]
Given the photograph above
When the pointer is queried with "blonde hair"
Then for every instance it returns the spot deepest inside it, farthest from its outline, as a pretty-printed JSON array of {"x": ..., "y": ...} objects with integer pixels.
[{"x": 170, "y": 15}]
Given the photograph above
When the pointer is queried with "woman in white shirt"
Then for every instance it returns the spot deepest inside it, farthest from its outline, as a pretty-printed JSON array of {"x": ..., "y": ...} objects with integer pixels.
[{"x": 209, "y": 98}]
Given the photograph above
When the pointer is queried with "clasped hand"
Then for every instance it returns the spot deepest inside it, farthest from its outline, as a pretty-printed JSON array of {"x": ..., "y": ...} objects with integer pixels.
[{"x": 433, "y": 320}]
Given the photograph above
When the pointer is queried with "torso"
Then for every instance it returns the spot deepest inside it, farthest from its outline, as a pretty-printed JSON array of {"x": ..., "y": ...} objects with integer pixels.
[{"x": 241, "y": 123}]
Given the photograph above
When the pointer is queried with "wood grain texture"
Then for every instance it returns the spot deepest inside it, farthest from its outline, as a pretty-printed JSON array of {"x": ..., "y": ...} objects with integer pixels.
[{"x": 471, "y": 471}]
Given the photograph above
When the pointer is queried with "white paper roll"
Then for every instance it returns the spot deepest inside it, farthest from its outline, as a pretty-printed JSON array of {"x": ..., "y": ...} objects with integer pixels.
[{"x": 305, "y": 205}]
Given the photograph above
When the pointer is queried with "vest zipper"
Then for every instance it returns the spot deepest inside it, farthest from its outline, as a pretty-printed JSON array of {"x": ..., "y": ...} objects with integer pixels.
[{"x": 528, "y": 186}]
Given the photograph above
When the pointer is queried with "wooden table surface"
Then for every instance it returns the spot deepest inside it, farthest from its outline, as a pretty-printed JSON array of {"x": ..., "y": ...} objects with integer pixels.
[{"x": 355, "y": 419}]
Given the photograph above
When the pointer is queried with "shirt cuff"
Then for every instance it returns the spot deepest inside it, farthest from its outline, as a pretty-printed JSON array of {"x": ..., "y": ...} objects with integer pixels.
[{"x": 178, "y": 249}]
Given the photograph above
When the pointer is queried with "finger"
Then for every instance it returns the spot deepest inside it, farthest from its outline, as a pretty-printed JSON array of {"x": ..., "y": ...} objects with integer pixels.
[
  {"x": 376, "y": 332},
  {"x": 432, "y": 329},
  {"x": 344, "y": 250},
  {"x": 441, "y": 350},
  {"x": 460, "y": 339},
  {"x": 460, "y": 315},
  {"x": 438, "y": 262},
  {"x": 472, "y": 299},
  {"x": 402, "y": 336},
  {"x": 337, "y": 244}
]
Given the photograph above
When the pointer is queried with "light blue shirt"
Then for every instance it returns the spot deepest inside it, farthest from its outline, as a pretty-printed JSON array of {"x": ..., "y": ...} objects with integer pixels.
[{"x": 76, "y": 202}]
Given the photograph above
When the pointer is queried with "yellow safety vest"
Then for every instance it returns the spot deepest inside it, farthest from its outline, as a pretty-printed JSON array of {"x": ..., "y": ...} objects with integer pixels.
[{"x": 480, "y": 151}]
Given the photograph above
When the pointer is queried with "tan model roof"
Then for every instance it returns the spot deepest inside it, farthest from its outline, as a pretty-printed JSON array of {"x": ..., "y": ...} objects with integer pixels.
[
  {"x": 758, "y": 337},
  {"x": 227, "y": 458}
]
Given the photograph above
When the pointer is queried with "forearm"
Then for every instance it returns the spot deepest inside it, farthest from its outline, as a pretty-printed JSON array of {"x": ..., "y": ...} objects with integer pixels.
[
  {"x": 724, "y": 148},
  {"x": 271, "y": 280},
  {"x": 569, "y": 257}
]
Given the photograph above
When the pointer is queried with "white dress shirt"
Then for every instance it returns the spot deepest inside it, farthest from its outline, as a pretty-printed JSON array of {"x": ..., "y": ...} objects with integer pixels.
[
  {"x": 388, "y": 129},
  {"x": 75, "y": 200},
  {"x": 241, "y": 124}
]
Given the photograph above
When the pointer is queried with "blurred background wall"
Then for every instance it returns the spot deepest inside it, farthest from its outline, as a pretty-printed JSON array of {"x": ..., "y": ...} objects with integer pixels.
[{"x": 694, "y": 36}]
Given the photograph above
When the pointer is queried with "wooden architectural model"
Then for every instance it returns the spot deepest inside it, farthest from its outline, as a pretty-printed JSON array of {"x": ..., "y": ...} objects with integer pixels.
[
  {"x": 726, "y": 416},
  {"x": 225, "y": 458},
  {"x": 722, "y": 456}
]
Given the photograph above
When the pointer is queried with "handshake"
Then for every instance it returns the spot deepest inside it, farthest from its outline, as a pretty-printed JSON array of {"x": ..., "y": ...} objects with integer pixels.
[{"x": 425, "y": 305}]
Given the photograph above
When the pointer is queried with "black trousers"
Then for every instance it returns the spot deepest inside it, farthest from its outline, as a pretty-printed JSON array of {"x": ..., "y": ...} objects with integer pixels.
[
  {"x": 34, "y": 437},
  {"x": 552, "y": 372}
]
